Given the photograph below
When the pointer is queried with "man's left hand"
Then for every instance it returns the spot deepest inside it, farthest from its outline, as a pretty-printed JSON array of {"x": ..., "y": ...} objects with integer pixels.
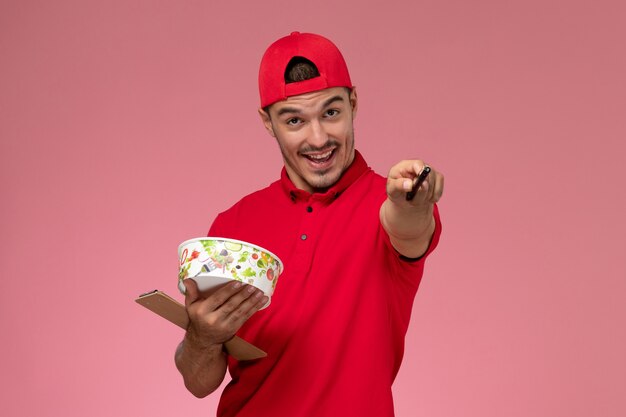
[
  {"x": 400, "y": 181},
  {"x": 410, "y": 223}
]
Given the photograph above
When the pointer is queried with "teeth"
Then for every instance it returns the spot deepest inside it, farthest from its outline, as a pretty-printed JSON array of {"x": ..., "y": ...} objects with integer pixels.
[{"x": 320, "y": 157}]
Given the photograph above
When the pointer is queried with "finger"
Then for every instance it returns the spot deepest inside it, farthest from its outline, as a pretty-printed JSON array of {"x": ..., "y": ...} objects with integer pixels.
[
  {"x": 421, "y": 194},
  {"x": 209, "y": 313},
  {"x": 256, "y": 303},
  {"x": 438, "y": 189},
  {"x": 191, "y": 291},
  {"x": 428, "y": 187},
  {"x": 235, "y": 300},
  {"x": 223, "y": 294},
  {"x": 406, "y": 169},
  {"x": 247, "y": 308},
  {"x": 418, "y": 167},
  {"x": 398, "y": 187}
]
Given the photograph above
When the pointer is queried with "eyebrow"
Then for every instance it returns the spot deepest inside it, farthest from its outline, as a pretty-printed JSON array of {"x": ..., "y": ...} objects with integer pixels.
[{"x": 294, "y": 110}]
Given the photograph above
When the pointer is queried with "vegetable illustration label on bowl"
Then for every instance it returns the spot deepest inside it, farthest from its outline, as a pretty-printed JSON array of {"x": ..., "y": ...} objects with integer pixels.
[{"x": 213, "y": 261}]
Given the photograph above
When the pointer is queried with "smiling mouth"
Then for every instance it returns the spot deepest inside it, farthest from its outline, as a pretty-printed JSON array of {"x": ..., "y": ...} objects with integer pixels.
[{"x": 321, "y": 157}]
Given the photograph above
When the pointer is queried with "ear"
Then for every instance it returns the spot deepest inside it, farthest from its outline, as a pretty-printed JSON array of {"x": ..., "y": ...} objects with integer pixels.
[
  {"x": 354, "y": 102},
  {"x": 267, "y": 122}
]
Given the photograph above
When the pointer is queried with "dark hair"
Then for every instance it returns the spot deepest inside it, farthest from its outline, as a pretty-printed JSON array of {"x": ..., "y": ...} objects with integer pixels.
[{"x": 300, "y": 69}]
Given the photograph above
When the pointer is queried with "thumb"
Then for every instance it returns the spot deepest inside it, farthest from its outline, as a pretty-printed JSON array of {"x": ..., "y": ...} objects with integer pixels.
[{"x": 191, "y": 291}]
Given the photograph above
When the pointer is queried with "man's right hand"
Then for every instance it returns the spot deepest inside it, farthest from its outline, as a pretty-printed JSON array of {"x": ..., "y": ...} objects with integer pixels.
[{"x": 215, "y": 317}]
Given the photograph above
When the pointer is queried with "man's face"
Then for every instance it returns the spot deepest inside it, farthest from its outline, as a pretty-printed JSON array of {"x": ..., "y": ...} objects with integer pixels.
[{"x": 315, "y": 135}]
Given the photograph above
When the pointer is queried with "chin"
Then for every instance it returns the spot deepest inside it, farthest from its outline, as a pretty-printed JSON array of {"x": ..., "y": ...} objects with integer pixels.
[{"x": 324, "y": 181}]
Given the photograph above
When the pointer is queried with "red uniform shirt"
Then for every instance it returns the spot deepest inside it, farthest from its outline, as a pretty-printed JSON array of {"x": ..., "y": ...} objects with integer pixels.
[{"x": 334, "y": 331}]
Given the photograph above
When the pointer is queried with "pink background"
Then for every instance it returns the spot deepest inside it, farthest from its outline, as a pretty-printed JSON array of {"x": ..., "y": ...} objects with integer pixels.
[{"x": 127, "y": 125}]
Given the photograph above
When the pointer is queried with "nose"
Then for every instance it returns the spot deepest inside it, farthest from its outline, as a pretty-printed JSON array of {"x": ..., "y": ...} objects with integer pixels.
[{"x": 317, "y": 134}]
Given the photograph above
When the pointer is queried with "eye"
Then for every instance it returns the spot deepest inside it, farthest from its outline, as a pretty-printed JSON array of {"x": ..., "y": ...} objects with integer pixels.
[
  {"x": 293, "y": 121},
  {"x": 331, "y": 112}
]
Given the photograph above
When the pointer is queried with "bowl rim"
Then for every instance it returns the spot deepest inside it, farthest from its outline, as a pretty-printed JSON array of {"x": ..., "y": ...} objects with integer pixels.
[{"x": 241, "y": 242}]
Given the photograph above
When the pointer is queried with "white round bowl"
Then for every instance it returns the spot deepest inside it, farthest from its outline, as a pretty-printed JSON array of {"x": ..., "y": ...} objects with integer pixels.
[{"x": 213, "y": 261}]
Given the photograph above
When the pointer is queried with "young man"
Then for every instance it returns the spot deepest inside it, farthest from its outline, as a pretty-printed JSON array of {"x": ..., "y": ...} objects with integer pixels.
[{"x": 353, "y": 246}]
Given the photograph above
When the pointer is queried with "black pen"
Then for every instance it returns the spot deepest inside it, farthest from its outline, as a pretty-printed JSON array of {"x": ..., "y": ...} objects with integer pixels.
[{"x": 417, "y": 182}]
